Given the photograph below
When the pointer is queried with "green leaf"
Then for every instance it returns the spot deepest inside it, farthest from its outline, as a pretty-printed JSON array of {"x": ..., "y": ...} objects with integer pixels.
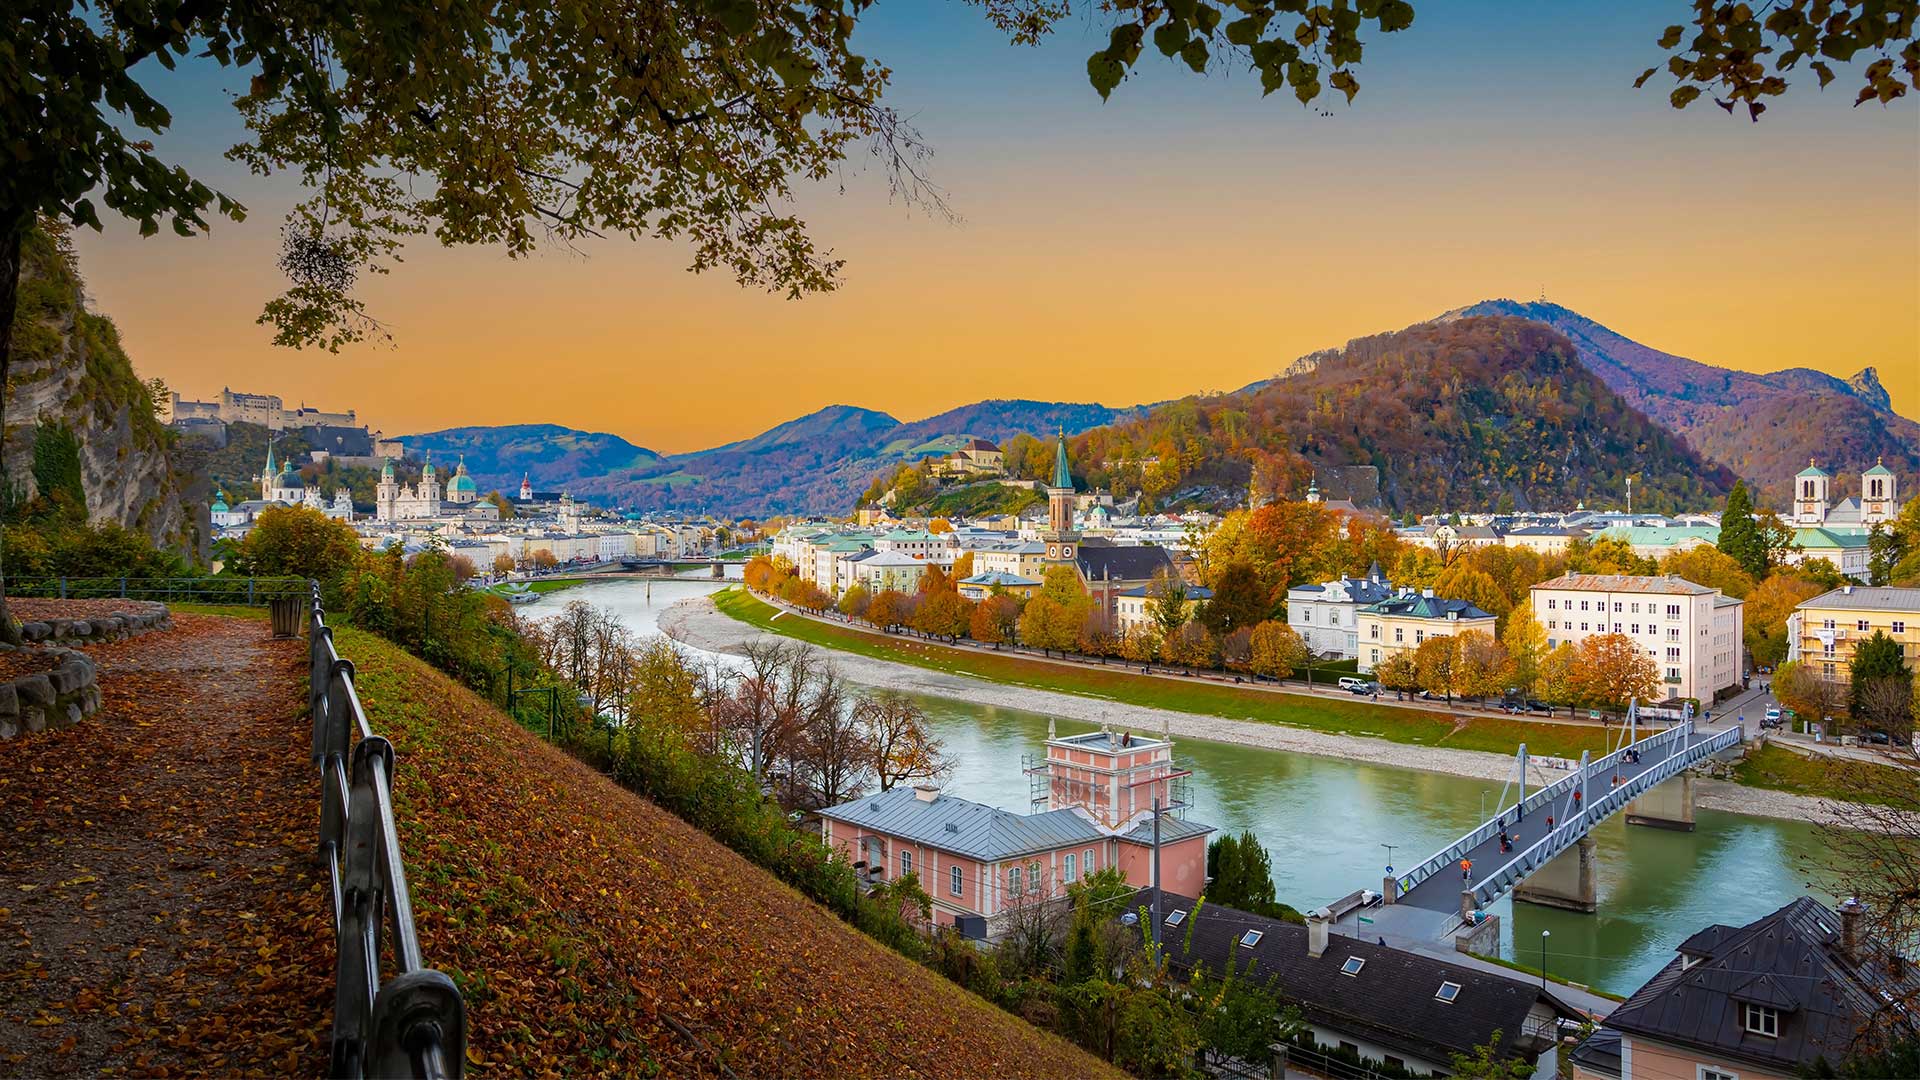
[
  {"x": 1344, "y": 82},
  {"x": 1245, "y": 32},
  {"x": 1644, "y": 76},
  {"x": 1105, "y": 73},
  {"x": 1170, "y": 38},
  {"x": 1206, "y": 17},
  {"x": 735, "y": 16},
  {"x": 1683, "y": 95},
  {"x": 1195, "y": 54},
  {"x": 1395, "y": 15},
  {"x": 1671, "y": 36},
  {"x": 1125, "y": 41}
]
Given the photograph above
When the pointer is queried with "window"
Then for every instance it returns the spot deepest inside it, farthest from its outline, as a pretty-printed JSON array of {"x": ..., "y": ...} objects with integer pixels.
[
  {"x": 1374, "y": 631},
  {"x": 1583, "y": 626},
  {"x": 1710, "y": 1072},
  {"x": 906, "y": 862},
  {"x": 954, "y": 884},
  {"x": 1419, "y": 636},
  {"x": 1760, "y": 1020},
  {"x": 1176, "y": 916},
  {"x": 1636, "y": 609},
  {"x": 1033, "y": 877},
  {"x": 1899, "y": 627},
  {"x": 1447, "y": 992},
  {"x": 1393, "y": 1062},
  {"x": 1399, "y": 634},
  {"x": 1616, "y": 607},
  {"x": 1861, "y": 626},
  {"x": 1013, "y": 881},
  {"x": 1552, "y": 603},
  {"x": 1349, "y": 1047},
  {"x": 1673, "y": 611},
  {"x": 1251, "y": 938},
  {"x": 1583, "y": 605},
  {"x": 1353, "y": 965},
  {"x": 1087, "y": 863}
]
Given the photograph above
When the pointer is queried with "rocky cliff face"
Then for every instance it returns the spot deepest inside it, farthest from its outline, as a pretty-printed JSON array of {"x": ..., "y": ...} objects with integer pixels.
[{"x": 69, "y": 374}]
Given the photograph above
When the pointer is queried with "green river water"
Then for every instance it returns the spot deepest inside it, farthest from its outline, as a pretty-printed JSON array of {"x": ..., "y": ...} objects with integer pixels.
[{"x": 1324, "y": 820}]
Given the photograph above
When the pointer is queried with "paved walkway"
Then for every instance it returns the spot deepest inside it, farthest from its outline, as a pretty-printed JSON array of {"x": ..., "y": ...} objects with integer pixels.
[{"x": 160, "y": 913}]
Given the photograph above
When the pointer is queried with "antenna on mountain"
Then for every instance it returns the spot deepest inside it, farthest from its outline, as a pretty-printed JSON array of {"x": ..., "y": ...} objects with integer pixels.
[{"x": 1543, "y": 292}]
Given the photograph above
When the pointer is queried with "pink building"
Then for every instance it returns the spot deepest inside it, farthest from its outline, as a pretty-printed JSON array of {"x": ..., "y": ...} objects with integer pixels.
[{"x": 979, "y": 863}]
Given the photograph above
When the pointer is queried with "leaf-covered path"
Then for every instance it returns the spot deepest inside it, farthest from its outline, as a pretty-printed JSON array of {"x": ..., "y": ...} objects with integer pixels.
[{"x": 160, "y": 911}]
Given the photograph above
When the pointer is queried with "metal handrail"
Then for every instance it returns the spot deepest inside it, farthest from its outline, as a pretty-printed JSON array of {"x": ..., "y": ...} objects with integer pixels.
[
  {"x": 415, "y": 1023},
  {"x": 213, "y": 589}
]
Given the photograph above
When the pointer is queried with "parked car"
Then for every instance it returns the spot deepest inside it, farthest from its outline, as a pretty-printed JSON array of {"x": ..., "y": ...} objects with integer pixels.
[
  {"x": 1536, "y": 705},
  {"x": 1365, "y": 689},
  {"x": 1350, "y": 682},
  {"x": 1772, "y": 717}
]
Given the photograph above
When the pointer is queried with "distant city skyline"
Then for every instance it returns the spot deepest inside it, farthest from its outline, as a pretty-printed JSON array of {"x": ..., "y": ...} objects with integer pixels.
[{"x": 1185, "y": 236}]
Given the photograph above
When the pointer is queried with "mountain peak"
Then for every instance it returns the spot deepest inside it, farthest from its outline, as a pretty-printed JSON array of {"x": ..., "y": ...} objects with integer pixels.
[{"x": 1866, "y": 386}]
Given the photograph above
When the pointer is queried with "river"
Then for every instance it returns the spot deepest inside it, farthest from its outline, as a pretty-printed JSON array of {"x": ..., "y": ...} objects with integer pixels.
[{"x": 1325, "y": 821}]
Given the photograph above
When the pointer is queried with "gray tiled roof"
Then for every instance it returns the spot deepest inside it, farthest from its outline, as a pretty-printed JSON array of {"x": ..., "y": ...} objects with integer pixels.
[
  {"x": 1791, "y": 960},
  {"x": 1391, "y": 1000},
  {"x": 1868, "y": 598},
  {"x": 1427, "y": 607},
  {"x": 964, "y": 827}
]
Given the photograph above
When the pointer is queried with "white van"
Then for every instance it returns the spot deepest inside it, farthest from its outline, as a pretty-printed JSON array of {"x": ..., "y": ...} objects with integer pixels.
[{"x": 1349, "y": 683}]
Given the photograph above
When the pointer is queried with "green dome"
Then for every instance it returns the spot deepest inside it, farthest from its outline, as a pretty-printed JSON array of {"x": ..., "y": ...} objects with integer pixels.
[
  {"x": 462, "y": 482},
  {"x": 288, "y": 478},
  {"x": 220, "y": 502}
]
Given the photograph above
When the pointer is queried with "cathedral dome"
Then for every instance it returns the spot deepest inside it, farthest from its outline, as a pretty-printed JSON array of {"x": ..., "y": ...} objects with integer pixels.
[
  {"x": 462, "y": 482},
  {"x": 386, "y": 471},
  {"x": 289, "y": 479},
  {"x": 219, "y": 502}
]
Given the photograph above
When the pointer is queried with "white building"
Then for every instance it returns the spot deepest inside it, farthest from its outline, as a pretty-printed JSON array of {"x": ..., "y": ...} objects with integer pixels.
[
  {"x": 1691, "y": 631},
  {"x": 1327, "y": 615},
  {"x": 392, "y": 502},
  {"x": 1878, "y": 501}
]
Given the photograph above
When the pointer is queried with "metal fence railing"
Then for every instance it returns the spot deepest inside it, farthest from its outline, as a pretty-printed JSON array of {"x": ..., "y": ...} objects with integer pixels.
[
  {"x": 413, "y": 1024},
  {"x": 178, "y": 590}
]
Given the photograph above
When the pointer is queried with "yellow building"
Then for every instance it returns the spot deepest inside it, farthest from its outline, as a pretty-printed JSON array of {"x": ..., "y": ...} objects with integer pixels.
[
  {"x": 1399, "y": 624},
  {"x": 1824, "y": 631}
]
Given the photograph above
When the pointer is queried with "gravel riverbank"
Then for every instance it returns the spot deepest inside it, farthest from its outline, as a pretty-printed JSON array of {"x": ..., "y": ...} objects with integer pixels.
[{"x": 696, "y": 622}]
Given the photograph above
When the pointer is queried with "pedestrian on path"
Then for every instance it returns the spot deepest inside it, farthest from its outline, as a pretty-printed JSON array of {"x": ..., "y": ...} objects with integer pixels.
[{"x": 1466, "y": 869}]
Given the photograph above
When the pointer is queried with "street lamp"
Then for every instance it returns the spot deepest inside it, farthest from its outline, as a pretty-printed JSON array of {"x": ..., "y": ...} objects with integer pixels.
[
  {"x": 1544, "y": 935},
  {"x": 1389, "y": 848}
]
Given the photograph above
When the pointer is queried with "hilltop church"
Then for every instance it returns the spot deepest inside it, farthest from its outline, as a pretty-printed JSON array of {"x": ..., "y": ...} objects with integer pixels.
[{"x": 1877, "y": 503}]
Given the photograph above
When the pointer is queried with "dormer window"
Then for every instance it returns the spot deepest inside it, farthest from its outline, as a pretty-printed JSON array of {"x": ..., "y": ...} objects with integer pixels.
[
  {"x": 1760, "y": 1020},
  {"x": 1448, "y": 992},
  {"x": 1353, "y": 965}
]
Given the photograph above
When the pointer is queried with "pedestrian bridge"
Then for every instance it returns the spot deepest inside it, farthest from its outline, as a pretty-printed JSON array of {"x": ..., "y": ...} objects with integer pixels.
[{"x": 1542, "y": 827}]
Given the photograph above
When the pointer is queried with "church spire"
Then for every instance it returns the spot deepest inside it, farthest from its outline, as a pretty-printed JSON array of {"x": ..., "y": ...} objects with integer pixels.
[{"x": 1062, "y": 475}]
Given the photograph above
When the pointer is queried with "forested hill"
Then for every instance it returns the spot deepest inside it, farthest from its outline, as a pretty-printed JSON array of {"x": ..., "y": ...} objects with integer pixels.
[
  {"x": 1457, "y": 416},
  {"x": 1763, "y": 427}
]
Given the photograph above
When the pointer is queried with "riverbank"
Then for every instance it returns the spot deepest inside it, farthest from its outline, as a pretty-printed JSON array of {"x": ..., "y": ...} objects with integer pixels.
[{"x": 699, "y": 623}]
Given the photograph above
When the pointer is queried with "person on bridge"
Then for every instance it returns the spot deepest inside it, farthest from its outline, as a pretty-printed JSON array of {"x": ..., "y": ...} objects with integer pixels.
[
  {"x": 1506, "y": 845},
  {"x": 1466, "y": 869},
  {"x": 1549, "y": 822},
  {"x": 1576, "y": 799}
]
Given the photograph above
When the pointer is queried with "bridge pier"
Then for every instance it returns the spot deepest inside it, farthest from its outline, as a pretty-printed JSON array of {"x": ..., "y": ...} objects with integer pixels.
[
  {"x": 1665, "y": 806},
  {"x": 1567, "y": 881},
  {"x": 719, "y": 569}
]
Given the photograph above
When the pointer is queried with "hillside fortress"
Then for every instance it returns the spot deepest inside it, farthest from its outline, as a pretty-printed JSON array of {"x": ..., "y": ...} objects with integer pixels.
[{"x": 267, "y": 410}]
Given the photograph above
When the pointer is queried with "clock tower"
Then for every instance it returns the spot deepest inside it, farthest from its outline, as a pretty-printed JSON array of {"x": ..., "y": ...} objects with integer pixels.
[{"x": 1060, "y": 538}]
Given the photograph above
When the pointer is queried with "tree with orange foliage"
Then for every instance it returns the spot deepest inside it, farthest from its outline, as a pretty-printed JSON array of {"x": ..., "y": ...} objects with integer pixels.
[
  {"x": 887, "y": 610},
  {"x": 995, "y": 620},
  {"x": 1613, "y": 669},
  {"x": 900, "y": 740}
]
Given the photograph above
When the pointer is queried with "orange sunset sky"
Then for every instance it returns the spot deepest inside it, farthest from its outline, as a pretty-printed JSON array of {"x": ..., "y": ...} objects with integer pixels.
[{"x": 1184, "y": 236}]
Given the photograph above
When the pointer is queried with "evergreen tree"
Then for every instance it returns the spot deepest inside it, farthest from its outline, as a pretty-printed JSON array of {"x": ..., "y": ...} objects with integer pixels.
[
  {"x": 1877, "y": 660},
  {"x": 1739, "y": 537},
  {"x": 1242, "y": 874}
]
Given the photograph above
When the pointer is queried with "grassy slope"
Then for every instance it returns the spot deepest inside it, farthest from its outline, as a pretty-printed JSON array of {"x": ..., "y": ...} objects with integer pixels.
[
  {"x": 1780, "y": 769},
  {"x": 1203, "y": 698},
  {"x": 595, "y": 933}
]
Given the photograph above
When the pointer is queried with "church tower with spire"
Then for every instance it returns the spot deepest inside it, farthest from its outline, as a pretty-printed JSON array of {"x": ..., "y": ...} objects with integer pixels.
[{"x": 1060, "y": 538}]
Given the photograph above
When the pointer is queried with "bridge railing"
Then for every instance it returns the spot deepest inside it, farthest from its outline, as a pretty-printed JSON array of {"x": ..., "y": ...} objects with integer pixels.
[
  {"x": 413, "y": 1024},
  {"x": 170, "y": 590},
  {"x": 1542, "y": 800},
  {"x": 1566, "y": 833}
]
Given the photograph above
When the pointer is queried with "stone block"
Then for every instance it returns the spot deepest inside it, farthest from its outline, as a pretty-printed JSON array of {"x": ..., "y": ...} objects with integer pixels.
[
  {"x": 9, "y": 700},
  {"x": 66, "y": 715},
  {"x": 34, "y": 690},
  {"x": 80, "y": 628},
  {"x": 90, "y": 699},
  {"x": 33, "y": 718},
  {"x": 35, "y": 631},
  {"x": 67, "y": 679},
  {"x": 59, "y": 628},
  {"x": 9, "y": 728}
]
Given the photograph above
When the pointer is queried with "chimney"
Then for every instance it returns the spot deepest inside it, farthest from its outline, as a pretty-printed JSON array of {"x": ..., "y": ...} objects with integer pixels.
[
  {"x": 1428, "y": 593},
  {"x": 1317, "y": 923},
  {"x": 926, "y": 792},
  {"x": 1846, "y": 590},
  {"x": 1852, "y": 914}
]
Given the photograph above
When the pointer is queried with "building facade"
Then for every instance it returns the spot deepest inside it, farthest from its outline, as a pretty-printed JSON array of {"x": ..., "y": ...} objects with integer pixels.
[
  {"x": 1327, "y": 615},
  {"x": 394, "y": 502},
  {"x": 982, "y": 865},
  {"x": 1823, "y": 632},
  {"x": 1402, "y": 623},
  {"x": 1692, "y": 632},
  {"x": 267, "y": 410}
]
